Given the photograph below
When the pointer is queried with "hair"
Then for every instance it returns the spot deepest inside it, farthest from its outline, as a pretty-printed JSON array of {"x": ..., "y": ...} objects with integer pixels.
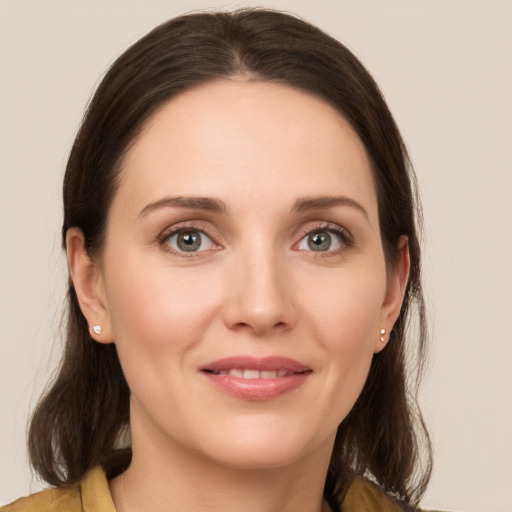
[{"x": 81, "y": 417}]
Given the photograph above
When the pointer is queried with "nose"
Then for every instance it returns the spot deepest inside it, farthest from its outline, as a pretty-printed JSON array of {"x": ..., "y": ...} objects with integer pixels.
[{"x": 260, "y": 297}]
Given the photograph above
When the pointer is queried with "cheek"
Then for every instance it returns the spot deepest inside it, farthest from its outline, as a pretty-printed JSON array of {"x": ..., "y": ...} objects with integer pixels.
[
  {"x": 345, "y": 317},
  {"x": 347, "y": 308},
  {"x": 157, "y": 309},
  {"x": 158, "y": 317}
]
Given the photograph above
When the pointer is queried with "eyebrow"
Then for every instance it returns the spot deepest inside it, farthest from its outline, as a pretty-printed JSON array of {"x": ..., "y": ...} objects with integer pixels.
[
  {"x": 301, "y": 205},
  {"x": 190, "y": 202},
  {"x": 305, "y": 204}
]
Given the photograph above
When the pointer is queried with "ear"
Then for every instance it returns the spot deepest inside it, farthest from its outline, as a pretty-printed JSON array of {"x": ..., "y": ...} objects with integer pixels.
[
  {"x": 395, "y": 290},
  {"x": 89, "y": 287}
]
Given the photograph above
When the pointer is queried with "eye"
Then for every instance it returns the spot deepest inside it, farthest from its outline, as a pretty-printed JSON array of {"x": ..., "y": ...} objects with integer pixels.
[
  {"x": 324, "y": 240},
  {"x": 190, "y": 240}
]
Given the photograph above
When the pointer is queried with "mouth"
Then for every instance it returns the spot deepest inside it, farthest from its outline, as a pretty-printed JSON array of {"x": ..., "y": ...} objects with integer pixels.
[
  {"x": 251, "y": 378},
  {"x": 252, "y": 374}
]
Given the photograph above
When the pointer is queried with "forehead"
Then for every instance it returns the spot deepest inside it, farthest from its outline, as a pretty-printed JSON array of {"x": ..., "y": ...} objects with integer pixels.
[{"x": 250, "y": 139}]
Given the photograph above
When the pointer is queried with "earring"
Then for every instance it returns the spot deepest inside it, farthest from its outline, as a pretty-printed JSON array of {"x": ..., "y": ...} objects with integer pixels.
[
  {"x": 382, "y": 332},
  {"x": 97, "y": 329}
]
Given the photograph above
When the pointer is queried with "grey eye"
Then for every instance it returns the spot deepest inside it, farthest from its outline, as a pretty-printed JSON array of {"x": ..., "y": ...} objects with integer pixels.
[
  {"x": 319, "y": 241},
  {"x": 190, "y": 241}
]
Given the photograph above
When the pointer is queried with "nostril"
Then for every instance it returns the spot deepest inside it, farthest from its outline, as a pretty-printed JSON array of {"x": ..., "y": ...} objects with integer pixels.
[
  {"x": 259, "y": 327},
  {"x": 257, "y": 308}
]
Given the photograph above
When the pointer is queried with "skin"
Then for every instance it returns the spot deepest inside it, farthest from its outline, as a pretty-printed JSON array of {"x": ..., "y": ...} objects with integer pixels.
[{"x": 255, "y": 288}]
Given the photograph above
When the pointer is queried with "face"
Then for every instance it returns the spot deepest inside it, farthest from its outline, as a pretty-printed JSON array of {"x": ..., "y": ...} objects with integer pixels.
[{"x": 243, "y": 279}]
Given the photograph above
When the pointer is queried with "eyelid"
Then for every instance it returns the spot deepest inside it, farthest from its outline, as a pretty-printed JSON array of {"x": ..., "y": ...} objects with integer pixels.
[
  {"x": 181, "y": 227},
  {"x": 340, "y": 231},
  {"x": 345, "y": 235}
]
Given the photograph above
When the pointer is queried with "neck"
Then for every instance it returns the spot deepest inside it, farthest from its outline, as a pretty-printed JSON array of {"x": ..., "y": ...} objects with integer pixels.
[{"x": 173, "y": 479}]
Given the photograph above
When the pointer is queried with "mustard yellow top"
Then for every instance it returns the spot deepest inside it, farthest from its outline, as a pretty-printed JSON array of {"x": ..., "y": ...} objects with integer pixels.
[{"x": 92, "y": 495}]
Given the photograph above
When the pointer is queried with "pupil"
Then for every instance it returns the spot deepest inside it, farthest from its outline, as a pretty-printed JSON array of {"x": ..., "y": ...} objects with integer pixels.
[
  {"x": 319, "y": 241},
  {"x": 189, "y": 241}
]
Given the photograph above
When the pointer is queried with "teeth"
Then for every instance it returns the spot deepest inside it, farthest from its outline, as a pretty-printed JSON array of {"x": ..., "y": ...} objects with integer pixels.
[{"x": 253, "y": 374}]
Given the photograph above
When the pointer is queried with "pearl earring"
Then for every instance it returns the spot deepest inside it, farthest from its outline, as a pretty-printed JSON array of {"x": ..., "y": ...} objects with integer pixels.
[
  {"x": 97, "y": 329},
  {"x": 382, "y": 332}
]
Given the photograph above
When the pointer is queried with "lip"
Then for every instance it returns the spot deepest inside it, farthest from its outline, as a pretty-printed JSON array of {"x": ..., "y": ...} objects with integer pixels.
[{"x": 280, "y": 375}]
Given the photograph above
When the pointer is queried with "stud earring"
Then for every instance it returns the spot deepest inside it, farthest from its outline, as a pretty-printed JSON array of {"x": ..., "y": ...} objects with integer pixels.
[
  {"x": 382, "y": 332},
  {"x": 97, "y": 329}
]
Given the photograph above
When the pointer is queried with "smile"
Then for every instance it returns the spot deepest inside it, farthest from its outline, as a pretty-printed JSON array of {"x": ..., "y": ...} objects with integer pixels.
[
  {"x": 250, "y": 378},
  {"x": 254, "y": 374}
]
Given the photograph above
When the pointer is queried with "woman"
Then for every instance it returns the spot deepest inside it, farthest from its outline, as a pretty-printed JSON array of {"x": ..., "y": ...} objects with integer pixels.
[{"x": 239, "y": 221}]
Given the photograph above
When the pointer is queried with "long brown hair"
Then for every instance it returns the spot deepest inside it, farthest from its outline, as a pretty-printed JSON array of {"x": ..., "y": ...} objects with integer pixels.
[{"x": 80, "y": 419}]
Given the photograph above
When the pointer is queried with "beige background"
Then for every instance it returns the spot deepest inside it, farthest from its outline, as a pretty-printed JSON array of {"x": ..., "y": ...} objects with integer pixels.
[{"x": 445, "y": 68}]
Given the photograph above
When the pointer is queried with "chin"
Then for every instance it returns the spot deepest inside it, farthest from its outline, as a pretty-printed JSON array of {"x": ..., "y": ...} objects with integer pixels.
[
  {"x": 253, "y": 459},
  {"x": 264, "y": 449}
]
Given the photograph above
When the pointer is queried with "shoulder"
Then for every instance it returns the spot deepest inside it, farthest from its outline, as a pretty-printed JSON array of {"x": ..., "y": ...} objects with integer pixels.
[
  {"x": 364, "y": 495},
  {"x": 52, "y": 500},
  {"x": 90, "y": 494}
]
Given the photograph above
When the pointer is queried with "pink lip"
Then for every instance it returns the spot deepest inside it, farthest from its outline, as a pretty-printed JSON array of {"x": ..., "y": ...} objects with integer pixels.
[{"x": 263, "y": 388}]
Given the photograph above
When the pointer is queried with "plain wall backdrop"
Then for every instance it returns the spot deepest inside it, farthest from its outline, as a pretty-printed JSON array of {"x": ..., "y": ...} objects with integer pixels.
[{"x": 445, "y": 68}]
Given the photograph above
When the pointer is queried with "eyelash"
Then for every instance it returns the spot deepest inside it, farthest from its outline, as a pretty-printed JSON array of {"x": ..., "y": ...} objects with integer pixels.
[
  {"x": 346, "y": 238},
  {"x": 343, "y": 234},
  {"x": 164, "y": 238}
]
